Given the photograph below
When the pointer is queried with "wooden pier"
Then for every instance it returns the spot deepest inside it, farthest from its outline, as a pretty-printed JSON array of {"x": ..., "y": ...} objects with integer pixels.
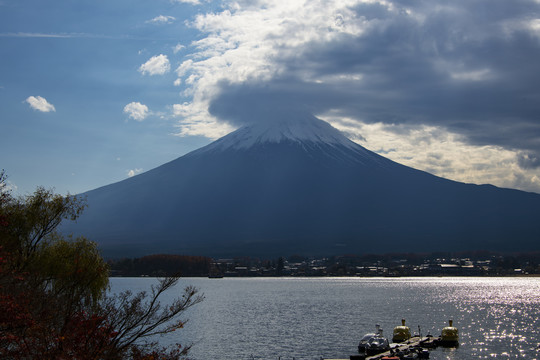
[
  {"x": 406, "y": 347},
  {"x": 413, "y": 343}
]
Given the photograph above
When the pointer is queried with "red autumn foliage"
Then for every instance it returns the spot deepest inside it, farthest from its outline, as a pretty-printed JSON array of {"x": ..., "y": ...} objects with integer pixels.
[
  {"x": 53, "y": 300},
  {"x": 31, "y": 327}
]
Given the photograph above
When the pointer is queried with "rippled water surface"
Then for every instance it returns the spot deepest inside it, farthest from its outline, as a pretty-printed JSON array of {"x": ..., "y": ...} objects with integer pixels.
[{"x": 310, "y": 318}]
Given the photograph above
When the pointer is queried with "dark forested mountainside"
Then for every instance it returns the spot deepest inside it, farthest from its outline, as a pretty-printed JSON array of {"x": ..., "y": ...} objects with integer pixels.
[{"x": 307, "y": 190}]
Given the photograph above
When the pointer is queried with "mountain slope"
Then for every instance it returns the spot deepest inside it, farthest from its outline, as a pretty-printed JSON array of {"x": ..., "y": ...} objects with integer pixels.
[{"x": 302, "y": 187}]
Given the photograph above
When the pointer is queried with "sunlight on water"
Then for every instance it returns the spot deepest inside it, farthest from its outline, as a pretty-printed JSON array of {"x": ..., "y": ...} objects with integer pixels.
[
  {"x": 501, "y": 316},
  {"x": 310, "y": 318}
]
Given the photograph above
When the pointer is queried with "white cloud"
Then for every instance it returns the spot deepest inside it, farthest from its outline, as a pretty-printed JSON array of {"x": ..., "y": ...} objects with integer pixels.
[
  {"x": 162, "y": 19},
  {"x": 156, "y": 65},
  {"x": 464, "y": 80},
  {"x": 441, "y": 153},
  {"x": 177, "y": 48},
  {"x": 197, "y": 121},
  {"x": 192, "y": 2},
  {"x": 475, "y": 75},
  {"x": 8, "y": 187},
  {"x": 184, "y": 67},
  {"x": 246, "y": 42},
  {"x": 136, "y": 111},
  {"x": 460, "y": 73},
  {"x": 534, "y": 26},
  {"x": 56, "y": 35},
  {"x": 133, "y": 172},
  {"x": 39, "y": 103}
]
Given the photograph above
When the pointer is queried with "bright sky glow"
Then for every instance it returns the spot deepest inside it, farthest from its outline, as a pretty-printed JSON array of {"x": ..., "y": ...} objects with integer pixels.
[{"x": 95, "y": 91}]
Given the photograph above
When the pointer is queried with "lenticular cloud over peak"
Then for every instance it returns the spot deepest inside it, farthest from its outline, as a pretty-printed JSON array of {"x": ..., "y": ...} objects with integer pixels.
[
  {"x": 467, "y": 69},
  {"x": 245, "y": 104}
]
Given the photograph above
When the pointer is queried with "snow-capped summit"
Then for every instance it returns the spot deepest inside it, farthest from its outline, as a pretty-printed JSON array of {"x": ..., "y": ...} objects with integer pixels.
[
  {"x": 279, "y": 188},
  {"x": 306, "y": 129},
  {"x": 306, "y": 132}
]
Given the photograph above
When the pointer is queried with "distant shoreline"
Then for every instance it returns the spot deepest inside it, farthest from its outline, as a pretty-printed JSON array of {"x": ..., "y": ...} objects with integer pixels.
[
  {"x": 365, "y": 266},
  {"x": 341, "y": 276}
]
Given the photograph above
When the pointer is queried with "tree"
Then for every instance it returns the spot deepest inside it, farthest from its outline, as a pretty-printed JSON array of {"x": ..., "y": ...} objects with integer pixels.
[
  {"x": 141, "y": 316},
  {"x": 53, "y": 291},
  {"x": 72, "y": 270},
  {"x": 33, "y": 219},
  {"x": 280, "y": 266}
]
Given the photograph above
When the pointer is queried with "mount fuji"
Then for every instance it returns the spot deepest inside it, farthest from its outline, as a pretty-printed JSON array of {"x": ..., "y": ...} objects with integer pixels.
[{"x": 283, "y": 188}]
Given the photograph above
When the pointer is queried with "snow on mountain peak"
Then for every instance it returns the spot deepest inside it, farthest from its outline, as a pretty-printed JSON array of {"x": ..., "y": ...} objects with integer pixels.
[{"x": 307, "y": 129}]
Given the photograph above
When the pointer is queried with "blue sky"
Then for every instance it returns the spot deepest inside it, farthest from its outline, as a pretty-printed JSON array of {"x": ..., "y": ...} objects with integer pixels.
[
  {"x": 83, "y": 58},
  {"x": 92, "y": 92}
]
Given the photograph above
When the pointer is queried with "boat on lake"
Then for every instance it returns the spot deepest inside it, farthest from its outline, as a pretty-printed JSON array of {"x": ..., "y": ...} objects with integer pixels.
[
  {"x": 363, "y": 342},
  {"x": 401, "y": 333},
  {"x": 373, "y": 343},
  {"x": 377, "y": 345},
  {"x": 449, "y": 335}
]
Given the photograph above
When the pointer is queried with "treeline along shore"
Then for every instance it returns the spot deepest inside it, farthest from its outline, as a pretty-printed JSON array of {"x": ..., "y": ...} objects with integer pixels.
[
  {"x": 481, "y": 263},
  {"x": 161, "y": 265}
]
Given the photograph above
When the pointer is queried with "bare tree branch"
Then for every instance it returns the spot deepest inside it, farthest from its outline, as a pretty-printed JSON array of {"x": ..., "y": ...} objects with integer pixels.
[{"x": 138, "y": 317}]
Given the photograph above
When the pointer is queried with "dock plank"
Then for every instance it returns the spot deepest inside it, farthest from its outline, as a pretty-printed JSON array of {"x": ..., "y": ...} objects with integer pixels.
[
  {"x": 427, "y": 342},
  {"x": 424, "y": 342}
]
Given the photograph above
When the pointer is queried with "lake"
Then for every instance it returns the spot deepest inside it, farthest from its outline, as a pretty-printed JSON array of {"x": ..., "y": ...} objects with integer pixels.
[{"x": 313, "y": 318}]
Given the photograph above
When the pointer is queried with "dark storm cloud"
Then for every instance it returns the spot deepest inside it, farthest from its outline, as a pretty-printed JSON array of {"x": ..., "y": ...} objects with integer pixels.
[
  {"x": 472, "y": 67},
  {"x": 529, "y": 161}
]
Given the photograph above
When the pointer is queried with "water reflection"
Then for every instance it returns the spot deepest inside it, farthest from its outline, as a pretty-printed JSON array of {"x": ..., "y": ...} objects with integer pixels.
[{"x": 309, "y": 318}]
